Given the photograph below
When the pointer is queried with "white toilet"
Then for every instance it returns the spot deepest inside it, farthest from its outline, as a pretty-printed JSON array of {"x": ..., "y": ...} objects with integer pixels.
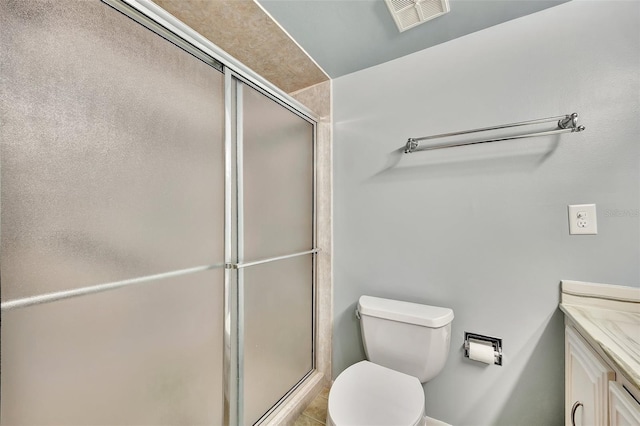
[{"x": 406, "y": 344}]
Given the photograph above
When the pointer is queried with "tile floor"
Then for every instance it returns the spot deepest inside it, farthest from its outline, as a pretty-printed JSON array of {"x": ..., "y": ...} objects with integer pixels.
[{"x": 316, "y": 413}]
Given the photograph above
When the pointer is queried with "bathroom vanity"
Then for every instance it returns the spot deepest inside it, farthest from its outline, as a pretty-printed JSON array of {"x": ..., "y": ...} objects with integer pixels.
[{"x": 602, "y": 354}]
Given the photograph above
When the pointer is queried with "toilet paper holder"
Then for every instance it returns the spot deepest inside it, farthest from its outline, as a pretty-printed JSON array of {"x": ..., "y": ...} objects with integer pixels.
[{"x": 494, "y": 341}]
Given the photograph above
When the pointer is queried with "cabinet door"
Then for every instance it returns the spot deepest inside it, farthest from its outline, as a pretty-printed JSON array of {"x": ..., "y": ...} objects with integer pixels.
[
  {"x": 623, "y": 409},
  {"x": 586, "y": 381}
]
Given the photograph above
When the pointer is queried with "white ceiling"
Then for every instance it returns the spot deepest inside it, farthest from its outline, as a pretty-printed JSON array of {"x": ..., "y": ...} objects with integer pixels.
[{"x": 344, "y": 36}]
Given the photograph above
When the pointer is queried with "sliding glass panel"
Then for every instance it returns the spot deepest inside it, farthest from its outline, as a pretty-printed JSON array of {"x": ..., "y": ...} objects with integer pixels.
[
  {"x": 278, "y": 179},
  {"x": 148, "y": 354},
  {"x": 112, "y": 153},
  {"x": 278, "y": 322}
]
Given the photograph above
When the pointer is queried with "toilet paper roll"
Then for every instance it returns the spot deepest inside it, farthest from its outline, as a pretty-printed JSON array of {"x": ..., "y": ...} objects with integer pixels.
[{"x": 481, "y": 351}]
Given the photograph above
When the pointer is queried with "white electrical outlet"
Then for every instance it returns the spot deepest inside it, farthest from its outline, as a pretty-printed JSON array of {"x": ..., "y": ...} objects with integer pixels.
[{"x": 582, "y": 219}]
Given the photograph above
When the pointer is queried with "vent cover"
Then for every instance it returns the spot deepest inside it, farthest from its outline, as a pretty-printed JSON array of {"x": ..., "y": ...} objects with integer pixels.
[{"x": 409, "y": 13}]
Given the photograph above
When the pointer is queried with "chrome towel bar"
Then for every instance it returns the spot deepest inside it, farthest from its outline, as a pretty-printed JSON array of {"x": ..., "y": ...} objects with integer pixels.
[{"x": 565, "y": 124}]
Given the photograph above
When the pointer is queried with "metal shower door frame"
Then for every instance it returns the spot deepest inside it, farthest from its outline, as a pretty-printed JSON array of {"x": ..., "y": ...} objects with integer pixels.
[
  {"x": 234, "y": 236},
  {"x": 167, "y": 26}
]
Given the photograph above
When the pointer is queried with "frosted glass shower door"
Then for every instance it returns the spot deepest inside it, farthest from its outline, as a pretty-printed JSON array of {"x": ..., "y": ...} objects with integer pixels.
[
  {"x": 112, "y": 221},
  {"x": 276, "y": 220}
]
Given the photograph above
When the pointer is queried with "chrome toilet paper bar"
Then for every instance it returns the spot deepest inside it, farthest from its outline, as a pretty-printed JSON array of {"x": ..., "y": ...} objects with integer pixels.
[{"x": 495, "y": 342}]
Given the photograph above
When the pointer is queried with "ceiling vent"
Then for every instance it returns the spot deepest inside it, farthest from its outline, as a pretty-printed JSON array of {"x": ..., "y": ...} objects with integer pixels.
[{"x": 409, "y": 13}]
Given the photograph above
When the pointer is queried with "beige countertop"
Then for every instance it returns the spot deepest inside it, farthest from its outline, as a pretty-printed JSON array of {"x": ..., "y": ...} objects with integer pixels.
[{"x": 608, "y": 316}]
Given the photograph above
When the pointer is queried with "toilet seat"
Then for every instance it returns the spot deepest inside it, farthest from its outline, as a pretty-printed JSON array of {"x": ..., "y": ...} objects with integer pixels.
[{"x": 372, "y": 395}]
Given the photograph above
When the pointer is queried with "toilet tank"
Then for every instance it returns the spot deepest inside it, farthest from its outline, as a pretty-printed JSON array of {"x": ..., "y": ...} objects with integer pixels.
[{"x": 407, "y": 337}]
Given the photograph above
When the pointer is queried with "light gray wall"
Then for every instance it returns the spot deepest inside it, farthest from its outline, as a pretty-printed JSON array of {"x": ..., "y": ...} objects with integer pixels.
[{"x": 484, "y": 229}]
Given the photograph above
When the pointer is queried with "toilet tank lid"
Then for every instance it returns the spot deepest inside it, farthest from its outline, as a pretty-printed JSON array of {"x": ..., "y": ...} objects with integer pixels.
[{"x": 412, "y": 313}]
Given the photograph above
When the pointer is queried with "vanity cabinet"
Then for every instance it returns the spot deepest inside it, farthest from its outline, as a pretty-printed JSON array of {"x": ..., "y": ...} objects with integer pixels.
[
  {"x": 623, "y": 409},
  {"x": 602, "y": 343},
  {"x": 587, "y": 380}
]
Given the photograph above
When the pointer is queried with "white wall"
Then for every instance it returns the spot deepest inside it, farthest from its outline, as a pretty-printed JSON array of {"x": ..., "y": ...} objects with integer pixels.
[{"x": 484, "y": 229}]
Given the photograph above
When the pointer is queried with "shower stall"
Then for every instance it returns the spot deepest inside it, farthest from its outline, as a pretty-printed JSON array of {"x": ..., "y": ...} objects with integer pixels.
[{"x": 157, "y": 232}]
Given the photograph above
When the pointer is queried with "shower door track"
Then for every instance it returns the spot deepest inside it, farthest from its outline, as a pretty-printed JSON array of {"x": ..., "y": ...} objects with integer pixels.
[{"x": 158, "y": 20}]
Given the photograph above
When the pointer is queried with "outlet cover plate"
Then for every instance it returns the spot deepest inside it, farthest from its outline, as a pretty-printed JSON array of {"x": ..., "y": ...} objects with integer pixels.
[{"x": 583, "y": 219}]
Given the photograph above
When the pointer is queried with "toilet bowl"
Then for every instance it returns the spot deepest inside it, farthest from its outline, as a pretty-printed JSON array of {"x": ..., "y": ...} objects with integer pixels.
[
  {"x": 368, "y": 394},
  {"x": 406, "y": 344}
]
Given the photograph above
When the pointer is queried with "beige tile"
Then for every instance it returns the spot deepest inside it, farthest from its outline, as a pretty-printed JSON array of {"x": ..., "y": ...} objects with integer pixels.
[
  {"x": 317, "y": 409},
  {"x": 324, "y": 393},
  {"x": 307, "y": 421},
  {"x": 317, "y": 98},
  {"x": 244, "y": 30}
]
